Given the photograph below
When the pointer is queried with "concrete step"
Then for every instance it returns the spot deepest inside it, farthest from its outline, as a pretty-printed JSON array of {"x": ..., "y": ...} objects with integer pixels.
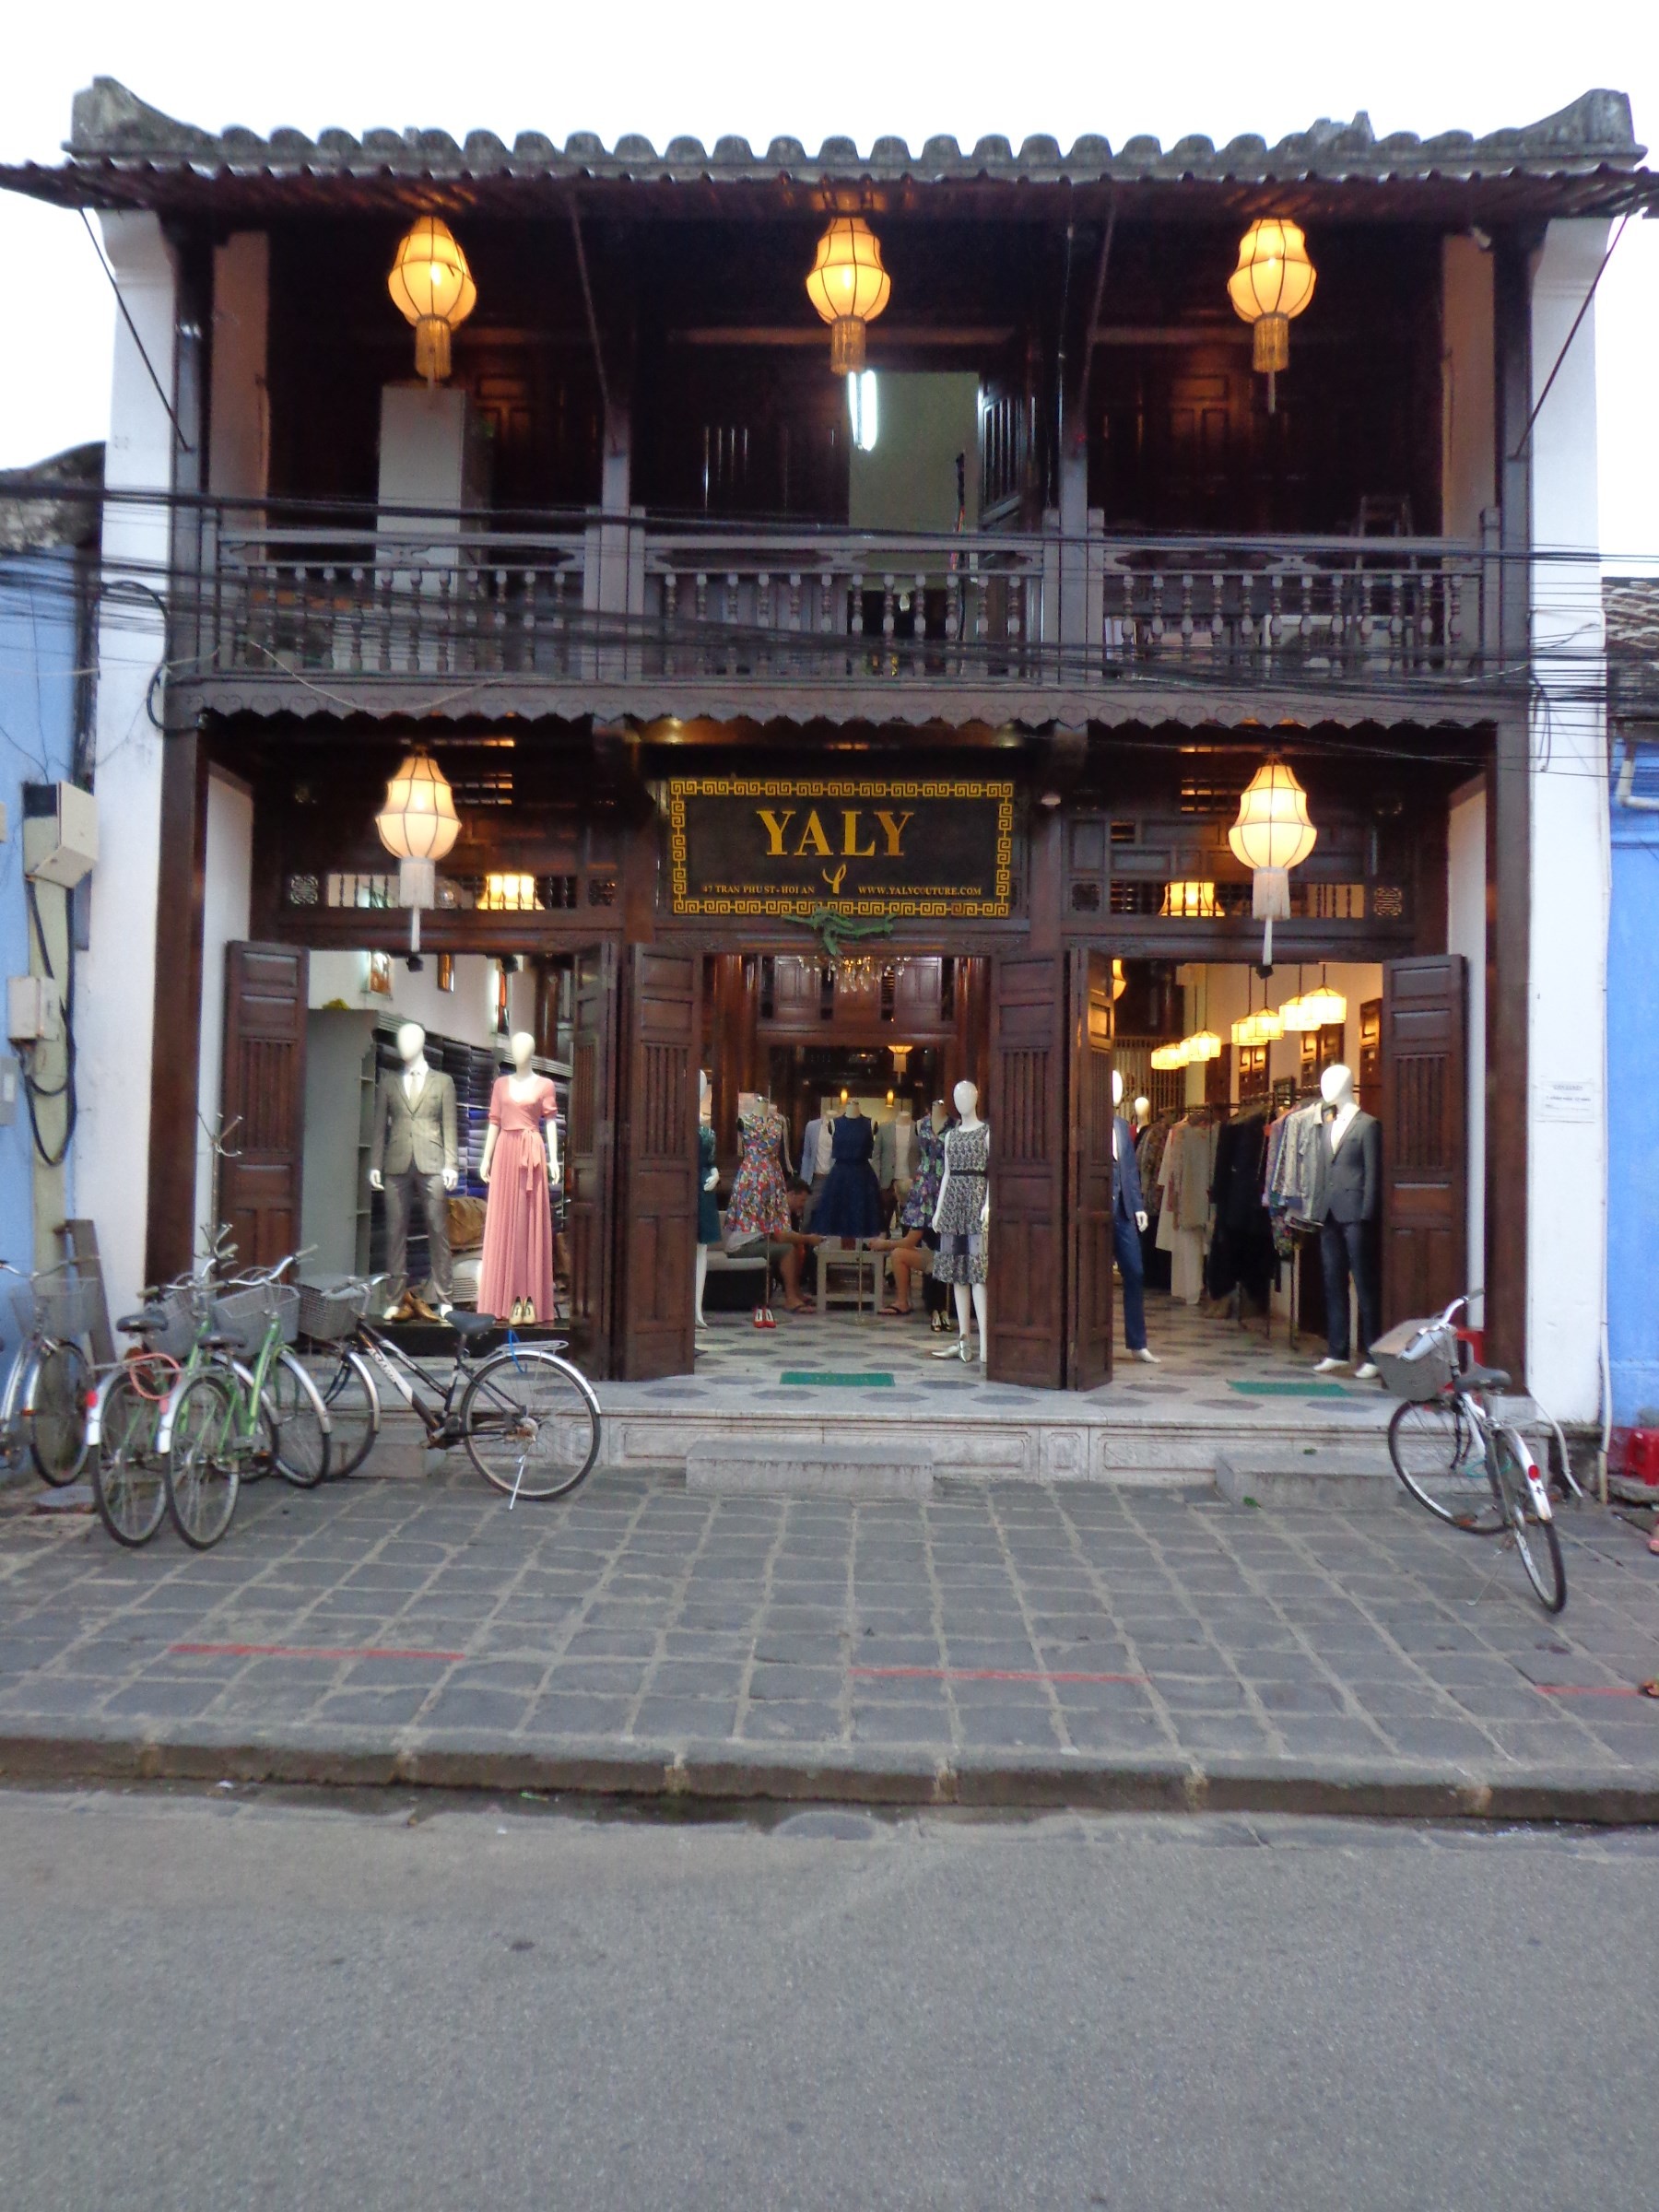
[
  {"x": 1353, "y": 1477},
  {"x": 810, "y": 1470}
]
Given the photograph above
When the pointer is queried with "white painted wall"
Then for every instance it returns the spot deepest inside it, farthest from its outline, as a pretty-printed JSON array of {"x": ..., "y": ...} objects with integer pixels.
[
  {"x": 466, "y": 1013},
  {"x": 115, "y": 1015},
  {"x": 1571, "y": 867},
  {"x": 226, "y": 898},
  {"x": 1465, "y": 932}
]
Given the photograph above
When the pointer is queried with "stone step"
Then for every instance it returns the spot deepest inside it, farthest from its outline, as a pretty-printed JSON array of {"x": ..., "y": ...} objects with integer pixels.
[
  {"x": 809, "y": 1470},
  {"x": 1353, "y": 1478}
]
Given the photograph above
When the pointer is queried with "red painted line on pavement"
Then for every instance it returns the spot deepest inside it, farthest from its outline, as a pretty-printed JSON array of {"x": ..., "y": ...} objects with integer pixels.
[
  {"x": 305, "y": 1651},
  {"x": 1584, "y": 1689},
  {"x": 983, "y": 1674}
]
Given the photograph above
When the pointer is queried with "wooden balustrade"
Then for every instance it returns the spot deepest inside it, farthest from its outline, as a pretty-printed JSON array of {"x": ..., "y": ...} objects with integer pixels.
[{"x": 623, "y": 599}]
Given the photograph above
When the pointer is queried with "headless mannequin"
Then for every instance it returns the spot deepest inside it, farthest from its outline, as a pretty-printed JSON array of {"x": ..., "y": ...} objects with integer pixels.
[
  {"x": 965, "y": 1096},
  {"x": 704, "y": 1101},
  {"x": 521, "y": 1087},
  {"x": 411, "y": 1050},
  {"x": 1336, "y": 1088},
  {"x": 1129, "y": 1257}
]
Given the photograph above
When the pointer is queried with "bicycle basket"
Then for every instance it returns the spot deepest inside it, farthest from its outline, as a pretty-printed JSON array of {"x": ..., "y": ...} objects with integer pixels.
[
  {"x": 242, "y": 1315},
  {"x": 331, "y": 1310},
  {"x": 177, "y": 1334},
  {"x": 1417, "y": 1359},
  {"x": 57, "y": 1304}
]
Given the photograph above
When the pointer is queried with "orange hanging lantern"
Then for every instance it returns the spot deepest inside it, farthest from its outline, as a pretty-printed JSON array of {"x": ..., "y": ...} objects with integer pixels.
[
  {"x": 1273, "y": 282},
  {"x": 432, "y": 287},
  {"x": 849, "y": 287}
]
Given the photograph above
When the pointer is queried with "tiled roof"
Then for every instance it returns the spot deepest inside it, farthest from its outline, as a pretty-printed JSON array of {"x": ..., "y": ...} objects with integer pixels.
[{"x": 117, "y": 140}]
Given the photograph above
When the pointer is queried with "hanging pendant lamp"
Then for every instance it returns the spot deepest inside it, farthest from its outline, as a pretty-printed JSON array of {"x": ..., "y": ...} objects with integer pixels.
[
  {"x": 1272, "y": 836},
  {"x": 1274, "y": 281},
  {"x": 849, "y": 287},
  {"x": 432, "y": 287},
  {"x": 419, "y": 826}
]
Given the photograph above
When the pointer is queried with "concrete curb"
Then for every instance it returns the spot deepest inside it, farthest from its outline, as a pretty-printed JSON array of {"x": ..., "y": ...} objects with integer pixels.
[{"x": 721, "y": 1773}]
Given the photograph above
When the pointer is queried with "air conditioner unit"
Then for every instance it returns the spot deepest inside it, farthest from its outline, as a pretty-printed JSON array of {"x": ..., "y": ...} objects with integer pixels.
[{"x": 60, "y": 832}]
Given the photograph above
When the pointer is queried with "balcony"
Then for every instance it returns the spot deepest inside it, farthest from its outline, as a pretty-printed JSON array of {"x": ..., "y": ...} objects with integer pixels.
[{"x": 622, "y": 614}]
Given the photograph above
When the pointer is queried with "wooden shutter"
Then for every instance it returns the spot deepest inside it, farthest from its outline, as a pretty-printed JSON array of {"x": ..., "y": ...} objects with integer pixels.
[
  {"x": 1027, "y": 1114},
  {"x": 1425, "y": 1260},
  {"x": 590, "y": 1154},
  {"x": 658, "y": 1234},
  {"x": 262, "y": 1092},
  {"x": 1088, "y": 1193}
]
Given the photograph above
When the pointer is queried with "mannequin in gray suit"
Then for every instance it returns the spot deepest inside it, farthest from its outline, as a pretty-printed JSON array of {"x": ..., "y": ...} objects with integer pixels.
[
  {"x": 413, "y": 1148},
  {"x": 1347, "y": 1209}
]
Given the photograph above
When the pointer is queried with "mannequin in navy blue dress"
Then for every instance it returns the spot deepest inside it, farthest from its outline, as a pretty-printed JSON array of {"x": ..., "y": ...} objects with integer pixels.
[{"x": 849, "y": 1203}]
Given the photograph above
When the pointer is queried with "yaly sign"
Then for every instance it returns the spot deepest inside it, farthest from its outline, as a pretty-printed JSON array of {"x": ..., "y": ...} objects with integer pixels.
[{"x": 887, "y": 849}]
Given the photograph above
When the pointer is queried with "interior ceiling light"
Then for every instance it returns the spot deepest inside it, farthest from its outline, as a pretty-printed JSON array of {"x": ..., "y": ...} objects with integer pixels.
[
  {"x": 1120, "y": 982},
  {"x": 1274, "y": 281},
  {"x": 849, "y": 287},
  {"x": 1272, "y": 836},
  {"x": 1188, "y": 902},
  {"x": 1322, "y": 1007},
  {"x": 863, "y": 409},
  {"x": 1167, "y": 1056}
]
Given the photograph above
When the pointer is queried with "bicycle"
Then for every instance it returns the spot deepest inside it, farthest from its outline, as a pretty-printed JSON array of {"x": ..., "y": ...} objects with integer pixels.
[
  {"x": 1456, "y": 1458},
  {"x": 226, "y": 1416},
  {"x": 129, "y": 1474},
  {"x": 50, "y": 1379},
  {"x": 529, "y": 1419}
]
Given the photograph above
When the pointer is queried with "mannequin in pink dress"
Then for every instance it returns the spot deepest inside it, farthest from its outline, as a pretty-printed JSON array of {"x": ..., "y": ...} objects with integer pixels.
[{"x": 515, "y": 1278}]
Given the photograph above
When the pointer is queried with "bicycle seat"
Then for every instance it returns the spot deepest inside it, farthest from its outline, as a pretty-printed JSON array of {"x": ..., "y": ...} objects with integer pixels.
[
  {"x": 1481, "y": 1377},
  {"x": 472, "y": 1324},
  {"x": 141, "y": 1325}
]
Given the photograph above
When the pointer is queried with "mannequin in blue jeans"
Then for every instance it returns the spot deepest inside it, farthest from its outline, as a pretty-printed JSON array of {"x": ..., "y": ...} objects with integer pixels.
[{"x": 1128, "y": 1219}]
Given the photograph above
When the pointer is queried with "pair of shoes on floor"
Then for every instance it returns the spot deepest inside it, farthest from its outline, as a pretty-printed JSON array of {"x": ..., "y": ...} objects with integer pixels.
[
  {"x": 765, "y": 1318},
  {"x": 523, "y": 1315},
  {"x": 938, "y": 1324},
  {"x": 411, "y": 1306},
  {"x": 961, "y": 1349}
]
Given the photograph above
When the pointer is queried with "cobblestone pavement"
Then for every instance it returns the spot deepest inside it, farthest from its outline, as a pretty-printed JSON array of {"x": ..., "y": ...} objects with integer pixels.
[{"x": 1011, "y": 1622}]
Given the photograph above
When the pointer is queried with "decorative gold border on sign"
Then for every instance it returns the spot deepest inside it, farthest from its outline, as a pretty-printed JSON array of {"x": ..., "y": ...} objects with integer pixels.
[{"x": 995, "y": 909}]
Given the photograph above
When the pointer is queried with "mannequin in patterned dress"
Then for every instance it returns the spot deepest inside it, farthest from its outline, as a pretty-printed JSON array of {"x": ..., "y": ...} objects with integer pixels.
[
  {"x": 962, "y": 1217},
  {"x": 907, "y": 1258},
  {"x": 758, "y": 1206}
]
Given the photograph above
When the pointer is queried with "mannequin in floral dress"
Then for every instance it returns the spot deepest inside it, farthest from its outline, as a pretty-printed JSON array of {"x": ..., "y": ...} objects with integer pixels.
[
  {"x": 758, "y": 1206},
  {"x": 515, "y": 1277}
]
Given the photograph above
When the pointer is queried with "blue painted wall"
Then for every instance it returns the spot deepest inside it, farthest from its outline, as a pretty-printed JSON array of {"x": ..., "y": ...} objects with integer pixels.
[
  {"x": 1633, "y": 1106},
  {"x": 38, "y": 642}
]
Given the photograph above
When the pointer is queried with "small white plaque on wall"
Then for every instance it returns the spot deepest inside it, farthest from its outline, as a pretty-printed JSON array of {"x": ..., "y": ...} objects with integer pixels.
[{"x": 1566, "y": 1100}]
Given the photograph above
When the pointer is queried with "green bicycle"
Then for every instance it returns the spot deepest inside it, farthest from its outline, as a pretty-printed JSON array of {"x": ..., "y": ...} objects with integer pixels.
[{"x": 230, "y": 1420}]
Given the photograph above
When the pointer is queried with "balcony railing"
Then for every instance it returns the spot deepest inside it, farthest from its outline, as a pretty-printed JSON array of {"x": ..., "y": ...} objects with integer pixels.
[{"x": 623, "y": 599}]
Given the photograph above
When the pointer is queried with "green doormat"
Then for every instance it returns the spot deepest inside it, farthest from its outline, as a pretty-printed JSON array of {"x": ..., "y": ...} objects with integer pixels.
[
  {"x": 797, "y": 1374},
  {"x": 1294, "y": 1390}
]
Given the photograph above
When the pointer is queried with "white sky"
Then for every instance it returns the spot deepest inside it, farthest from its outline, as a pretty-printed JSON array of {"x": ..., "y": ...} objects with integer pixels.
[{"x": 1218, "y": 66}]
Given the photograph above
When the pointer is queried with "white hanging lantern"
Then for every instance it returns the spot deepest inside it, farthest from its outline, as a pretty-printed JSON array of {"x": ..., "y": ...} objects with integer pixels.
[
  {"x": 419, "y": 826},
  {"x": 1272, "y": 836},
  {"x": 1321, "y": 1007}
]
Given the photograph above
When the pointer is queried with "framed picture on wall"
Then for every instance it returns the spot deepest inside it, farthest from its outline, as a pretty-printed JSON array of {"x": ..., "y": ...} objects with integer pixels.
[
  {"x": 379, "y": 979},
  {"x": 446, "y": 972}
]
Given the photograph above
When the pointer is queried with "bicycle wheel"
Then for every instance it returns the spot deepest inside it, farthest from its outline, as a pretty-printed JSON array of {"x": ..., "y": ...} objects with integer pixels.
[
  {"x": 293, "y": 1406},
  {"x": 129, "y": 1481},
  {"x": 531, "y": 1423},
  {"x": 204, "y": 1459},
  {"x": 1535, "y": 1537},
  {"x": 57, "y": 1428},
  {"x": 353, "y": 1412},
  {"x": 1436, "y": 1453}
]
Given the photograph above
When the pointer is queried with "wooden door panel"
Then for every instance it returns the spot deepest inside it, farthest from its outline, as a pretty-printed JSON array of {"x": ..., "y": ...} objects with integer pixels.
[
  {"x": 1028, "y": 1156},
  {"x": 590, "y": 1154},
  {"x": 263, "y": 1094},
  {"x": 1087, "y": 1200},
  {"x": 658, "y": 1237},
  {"x": 1425, "y": 1260}
]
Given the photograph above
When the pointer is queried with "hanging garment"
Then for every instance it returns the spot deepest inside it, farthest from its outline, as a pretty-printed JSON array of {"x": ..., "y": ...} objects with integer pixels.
[
  {"x": 708, "y": 1202},
  {"x": 517, "y": 1261},
  {"x": 961, "y": 1256},
  {"x": 1186, "y": 1168},
  {"x": 759, "y": 1204},
  {"x": 930, "y": 1168},
  {"x": 851, "y": 1202}
]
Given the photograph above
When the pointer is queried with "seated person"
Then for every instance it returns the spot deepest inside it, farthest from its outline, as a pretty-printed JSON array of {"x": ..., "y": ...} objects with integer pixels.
[
  {"x": 796, "y": 1245},
  {"x": 907, "y": 1256}
]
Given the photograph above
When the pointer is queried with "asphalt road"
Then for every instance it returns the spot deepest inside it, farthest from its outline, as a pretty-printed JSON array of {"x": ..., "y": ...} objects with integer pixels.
[{"x": 221, "y": 2001}]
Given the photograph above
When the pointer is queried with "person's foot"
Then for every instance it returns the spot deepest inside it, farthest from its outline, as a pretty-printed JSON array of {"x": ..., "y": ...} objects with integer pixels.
[
  {"x": 895, "y": 1313},
  {"x": 1368, "y": 1373},
  {"x": 1151, "y": 1359},
  {"x": 1329, "y": 1367}
]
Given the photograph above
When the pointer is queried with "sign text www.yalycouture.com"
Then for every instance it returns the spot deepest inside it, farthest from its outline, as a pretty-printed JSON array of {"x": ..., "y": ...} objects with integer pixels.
[{"x": 932, "y": 846}]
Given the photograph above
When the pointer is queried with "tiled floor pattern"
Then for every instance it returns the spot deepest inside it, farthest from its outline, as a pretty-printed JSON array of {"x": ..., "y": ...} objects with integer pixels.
[
  {"x": 1069, "y": 1620},
  {"x": 1200, "y": 1357}
]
